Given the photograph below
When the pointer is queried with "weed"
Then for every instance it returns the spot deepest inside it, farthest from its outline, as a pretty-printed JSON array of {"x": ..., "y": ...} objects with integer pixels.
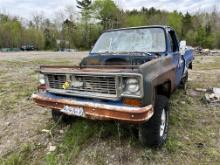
[{"x": 20, "y": 158}]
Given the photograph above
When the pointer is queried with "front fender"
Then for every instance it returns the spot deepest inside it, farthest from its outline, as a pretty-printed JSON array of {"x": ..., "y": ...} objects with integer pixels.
[{"x": 157, "y": 72}]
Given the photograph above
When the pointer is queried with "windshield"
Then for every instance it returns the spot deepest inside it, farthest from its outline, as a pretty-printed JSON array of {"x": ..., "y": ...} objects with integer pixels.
[{"x": 131, "y": 40}]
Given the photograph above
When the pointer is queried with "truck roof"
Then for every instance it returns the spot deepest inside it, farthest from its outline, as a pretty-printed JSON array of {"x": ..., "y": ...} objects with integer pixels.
[{"x": 140, "y": 27}]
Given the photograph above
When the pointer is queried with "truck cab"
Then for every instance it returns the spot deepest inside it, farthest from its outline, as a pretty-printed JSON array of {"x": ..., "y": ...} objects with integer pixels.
[{"x": 128, "y": 76}]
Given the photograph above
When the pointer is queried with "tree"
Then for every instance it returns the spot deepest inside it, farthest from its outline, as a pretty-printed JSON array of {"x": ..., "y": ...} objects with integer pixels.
[
  {"x": 38, "y": 20},
  {"x": 217, "y": 40},
  {"x": 84, "y": 4},
  {"x": 108, "y": 13},
  {"x": 85, "y": 7},
  {"x": 187, "y": 24},
  {"x": 69, "y": 28},
  {"x": 83, "y": 28},
  {"x": 33, "y": 36},
  {"x": 135, "y": 20},
  {"x": 10, "y": 32},
  {"x": 4, "y": 18},
  {"x": 175, "y": 21},
  {"x": 50, "y": 40}
]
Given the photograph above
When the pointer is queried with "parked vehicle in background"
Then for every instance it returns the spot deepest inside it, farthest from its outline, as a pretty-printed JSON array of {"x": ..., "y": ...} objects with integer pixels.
[
  {"x": 10, "y": 49},
  {"x": 28, "y": 47},
  {"x": 128, "y": 76}
]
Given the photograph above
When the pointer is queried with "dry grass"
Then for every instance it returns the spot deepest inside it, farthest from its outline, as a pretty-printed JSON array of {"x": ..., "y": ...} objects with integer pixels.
[{"x": 194, "y": 135}]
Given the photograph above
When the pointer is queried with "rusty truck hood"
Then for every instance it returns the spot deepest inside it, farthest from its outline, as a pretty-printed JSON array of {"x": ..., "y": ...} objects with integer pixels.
[
  {"x": 134, "y": 59},
  {"x": 104, "y": 64}
]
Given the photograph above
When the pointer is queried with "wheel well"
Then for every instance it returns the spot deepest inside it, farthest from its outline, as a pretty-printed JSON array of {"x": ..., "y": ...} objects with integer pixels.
[
  {"x": 190, "y": 65},
  {"x": 164, "y": 89}
]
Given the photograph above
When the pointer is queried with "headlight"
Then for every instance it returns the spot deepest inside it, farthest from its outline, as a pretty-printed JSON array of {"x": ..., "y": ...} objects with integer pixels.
[
  {"x": 132, "y": 85},
  {"x": 42, "y": 79}
]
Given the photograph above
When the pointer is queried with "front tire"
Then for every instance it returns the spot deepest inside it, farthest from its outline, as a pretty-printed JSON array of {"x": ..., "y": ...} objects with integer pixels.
[{"x": 154, "y": 132}]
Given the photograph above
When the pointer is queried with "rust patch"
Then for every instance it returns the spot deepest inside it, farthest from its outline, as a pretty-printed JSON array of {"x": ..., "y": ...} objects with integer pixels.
[{"x": 134, "y": 115}]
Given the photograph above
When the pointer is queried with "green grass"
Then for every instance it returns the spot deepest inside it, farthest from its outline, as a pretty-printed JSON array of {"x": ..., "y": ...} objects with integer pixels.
[
  {"x": 78, "y": 135},
  {"x": 23, "y": 157},
  {"x": 72, "y": 142},
  {"x": 206, "y": 63},
  {"x": 188, "y": 140}
]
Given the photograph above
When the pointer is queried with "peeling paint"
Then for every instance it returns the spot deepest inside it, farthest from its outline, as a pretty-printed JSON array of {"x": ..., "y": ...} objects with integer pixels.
[{"x": 92, "y": 110}]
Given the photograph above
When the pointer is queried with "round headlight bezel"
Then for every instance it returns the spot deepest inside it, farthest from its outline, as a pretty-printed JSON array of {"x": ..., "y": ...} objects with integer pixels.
[
  {"x": 132, "y": 85},
  {"x": 42, "y": 80}
]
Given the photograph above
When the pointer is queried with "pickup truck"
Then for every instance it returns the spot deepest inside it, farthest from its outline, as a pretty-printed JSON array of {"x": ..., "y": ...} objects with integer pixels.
[{"x": 128, "y": 77}]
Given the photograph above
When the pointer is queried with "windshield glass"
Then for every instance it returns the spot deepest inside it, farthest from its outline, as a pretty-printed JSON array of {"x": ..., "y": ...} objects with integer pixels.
[{"x": 131, "y": 40}]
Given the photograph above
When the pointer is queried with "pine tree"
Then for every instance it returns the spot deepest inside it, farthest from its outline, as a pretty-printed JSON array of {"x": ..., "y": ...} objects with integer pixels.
[
  {"x": 84, "y": 4},
  {"x": 187, "y": 24},
  {"x": 85, "y": 7}
]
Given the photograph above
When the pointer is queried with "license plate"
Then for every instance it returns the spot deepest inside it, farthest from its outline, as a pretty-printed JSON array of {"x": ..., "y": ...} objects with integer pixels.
[{"x": 76, "y": 111}]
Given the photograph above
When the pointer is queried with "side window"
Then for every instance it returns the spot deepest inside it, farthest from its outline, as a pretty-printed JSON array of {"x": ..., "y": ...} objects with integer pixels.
[{"x": 173, "y": 41}]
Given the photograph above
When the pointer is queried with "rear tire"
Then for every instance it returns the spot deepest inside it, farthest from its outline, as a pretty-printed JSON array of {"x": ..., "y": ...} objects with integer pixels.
[
  {"x": 61, "y": 117},
  {"x": 154, "y": 132}
]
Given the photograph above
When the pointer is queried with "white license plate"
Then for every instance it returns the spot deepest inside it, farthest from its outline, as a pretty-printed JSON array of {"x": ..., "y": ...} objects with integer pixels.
[{"x": 76, "y": 111}]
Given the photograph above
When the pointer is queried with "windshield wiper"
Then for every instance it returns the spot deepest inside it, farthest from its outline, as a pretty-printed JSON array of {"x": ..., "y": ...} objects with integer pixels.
[
  {"x": 133, "y": 52},
  {"x": 140, "y": 52}
]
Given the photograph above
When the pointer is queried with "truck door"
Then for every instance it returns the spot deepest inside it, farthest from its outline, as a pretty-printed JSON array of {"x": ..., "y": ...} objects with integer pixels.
[{"x": 177, "y": 58}]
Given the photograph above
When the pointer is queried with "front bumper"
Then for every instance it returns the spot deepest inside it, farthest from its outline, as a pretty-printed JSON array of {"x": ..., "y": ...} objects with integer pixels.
[{"x": 96, "y": 110}]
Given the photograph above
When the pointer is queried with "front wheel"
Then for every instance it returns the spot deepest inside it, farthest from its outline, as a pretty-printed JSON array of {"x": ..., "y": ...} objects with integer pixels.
[{"x": 154, "y": 132}]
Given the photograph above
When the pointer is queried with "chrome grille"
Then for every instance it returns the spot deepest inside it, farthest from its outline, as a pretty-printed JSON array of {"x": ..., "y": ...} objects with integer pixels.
[
  {"x": 92, "y": 85},
  {"x": 96, "y": 84},
  {"x": 56, "y": 81}
]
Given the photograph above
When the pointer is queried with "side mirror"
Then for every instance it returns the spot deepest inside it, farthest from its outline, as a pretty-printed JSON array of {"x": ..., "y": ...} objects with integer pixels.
[{"x": 182, "y": 47}]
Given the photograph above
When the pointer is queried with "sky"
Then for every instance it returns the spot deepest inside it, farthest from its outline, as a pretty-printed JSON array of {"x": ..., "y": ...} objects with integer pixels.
[{"x": 28, "y": 8}]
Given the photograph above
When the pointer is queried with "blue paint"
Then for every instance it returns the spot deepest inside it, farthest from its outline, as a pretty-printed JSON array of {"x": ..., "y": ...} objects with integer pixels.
[
  {"x": 188, "y": 56},
  {"x": 82, "y": 99},
  {"x": 177, "y": 59}
]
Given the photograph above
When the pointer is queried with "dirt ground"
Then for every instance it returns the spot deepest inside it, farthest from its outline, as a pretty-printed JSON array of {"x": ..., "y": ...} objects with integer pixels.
[
  {"x": 20, "y": 119},
  {"x": 194, "y": 127}
]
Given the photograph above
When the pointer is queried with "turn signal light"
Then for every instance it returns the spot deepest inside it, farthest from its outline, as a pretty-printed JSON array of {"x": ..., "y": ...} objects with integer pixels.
[{"x": 132, "y": 102}]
